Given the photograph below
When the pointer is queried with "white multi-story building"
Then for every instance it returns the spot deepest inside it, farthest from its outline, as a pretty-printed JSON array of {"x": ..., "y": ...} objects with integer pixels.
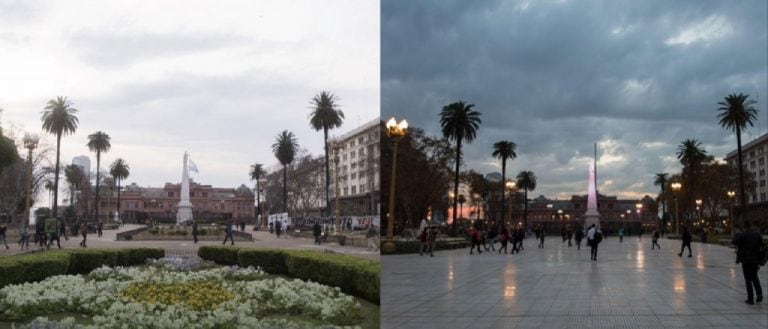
[
  {"x": 358, "y": 155},
  {"x": 84, "y": 162},
  {"x": 755, "y": 160}
]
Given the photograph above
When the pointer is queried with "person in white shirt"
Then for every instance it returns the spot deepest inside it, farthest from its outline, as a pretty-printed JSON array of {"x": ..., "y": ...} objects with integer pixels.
[{"x": 594, "y": 237}]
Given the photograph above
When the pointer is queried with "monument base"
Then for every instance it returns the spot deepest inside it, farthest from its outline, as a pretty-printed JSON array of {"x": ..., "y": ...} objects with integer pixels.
[
  {"x": 592, "y": 217},
  {"x": 184, "y": 214}
]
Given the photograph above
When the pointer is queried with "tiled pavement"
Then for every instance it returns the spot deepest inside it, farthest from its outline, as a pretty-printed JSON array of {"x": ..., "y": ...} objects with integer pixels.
[
  {"x": 261, "y": 239},
  {"x": 630, "y": 286}
]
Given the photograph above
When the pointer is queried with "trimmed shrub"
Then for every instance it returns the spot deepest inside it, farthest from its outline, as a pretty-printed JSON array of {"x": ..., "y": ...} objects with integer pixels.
[
  {"x": 270, "y": 260},
  {"x": 138, "y": 256},
  {"x": 219, "y": 255},
  {"x": 34, "y": 267},
  {"x": 83, "y": 261}
]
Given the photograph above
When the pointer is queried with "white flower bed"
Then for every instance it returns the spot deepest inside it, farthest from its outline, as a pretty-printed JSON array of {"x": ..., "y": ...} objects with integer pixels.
[{"x": 255, "y": 298}]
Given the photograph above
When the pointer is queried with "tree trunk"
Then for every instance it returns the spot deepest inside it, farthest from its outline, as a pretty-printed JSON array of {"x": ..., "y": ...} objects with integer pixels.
[
  {"x": 456, "y": 179},
  {"x": 503, "y": 182},
  {"x": 327, "y": 174},
  {"x": 285, "y": 188},
  {"x": 742, "y": 196},
  {"x": 118, "y": 198},
  {"x": 98, "y": 175},
  {"x": 56, "y": 178},
  {"x": 525, "y": 210}
]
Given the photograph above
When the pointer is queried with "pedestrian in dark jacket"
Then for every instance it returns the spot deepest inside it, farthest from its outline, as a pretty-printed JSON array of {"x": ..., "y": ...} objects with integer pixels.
[
  {"x": 63, "y": 230},
  {"x": 84, "y": 233},
  {"x": 228, "y": 231},
  {"x": 579, "y": 236},
  {"x": 655, "y": 240},
  {"x": 3, "y": 229},
  {"x": 687, "y": 237},
  {"x": 475, "y": 237},
  {"x": 194, "y": 231},
  {"x": 504, "y": 238},
  {"x": 749, "y": 255},
  {"x": 316, "y": 231}
]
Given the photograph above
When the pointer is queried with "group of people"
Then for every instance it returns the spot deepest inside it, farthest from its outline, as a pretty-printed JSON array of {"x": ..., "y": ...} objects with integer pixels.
[{"x": 47, "y": 230}]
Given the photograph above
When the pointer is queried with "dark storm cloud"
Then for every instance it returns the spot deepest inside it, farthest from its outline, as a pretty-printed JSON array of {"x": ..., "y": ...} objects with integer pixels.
[{"x": 555, "y": 76}]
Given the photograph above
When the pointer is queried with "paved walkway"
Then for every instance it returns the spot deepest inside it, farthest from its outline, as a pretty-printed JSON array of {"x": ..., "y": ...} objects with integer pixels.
[
  {"x": 261, "y": 239},
  {"x": 630, "y": 286}
]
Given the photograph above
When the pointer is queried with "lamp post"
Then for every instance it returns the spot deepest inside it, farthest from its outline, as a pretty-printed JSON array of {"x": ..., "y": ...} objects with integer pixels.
[
  {"x": 510, "y": 185},
  {"x": 336, "y": 148},
  {"x": 731, "y": 197},
  {"x": 639, "y": 208},
  {"x": 700, "y": 211},
  {"x": 676, "y": 188},
  {"x": 30, "y": 143},
  {"x": 395, "y": 131}
]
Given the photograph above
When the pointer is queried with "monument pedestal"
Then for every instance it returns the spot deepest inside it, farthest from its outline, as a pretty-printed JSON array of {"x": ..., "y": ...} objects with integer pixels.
[
  {"x": 184, "y": 213},
  {"x": 591, "y": 217}
]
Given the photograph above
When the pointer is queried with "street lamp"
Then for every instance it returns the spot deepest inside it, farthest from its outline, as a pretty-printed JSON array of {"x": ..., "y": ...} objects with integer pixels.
[
  {"x": 700, "y": 210},
  {"x": 731, "y": 196},
  {"x": 676, "y": 188},
  {"x": 336, "y": 148},
  {"x": 30, "y": 143},
  {"x": 639, "y": 207},
  {"x": 510, "y": 185},
  {"x": 395, "y": 131}
]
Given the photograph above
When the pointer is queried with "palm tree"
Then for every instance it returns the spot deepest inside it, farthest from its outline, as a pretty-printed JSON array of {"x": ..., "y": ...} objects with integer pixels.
[
  {"x": 59, "y": 119},
  {"x": 98, "y": 142},
  {"x": 74, "y": 176},
  {"x": 326, "y": 115},
  {"x": 257, "y": 172},
  {"x": 462, "y": 200},
  {"x": 285, "y": 148},
  {"x": 736, "y": 112},
  {"x": 504, "y": 150},
  {"x": 661, "y": 180},
  {"x": 459, "y": 122},
  {"x": 527, "y": 181},
  {"x": 49, "y": 186},
  {"x": 691, "y": 154},
  {"x": 120, "y": 171}
]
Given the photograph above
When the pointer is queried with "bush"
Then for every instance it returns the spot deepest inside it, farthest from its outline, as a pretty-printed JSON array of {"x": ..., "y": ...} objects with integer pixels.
[
  {"x": 138, "y": 256},
  {"x": 219, "y": 255},
  {"x": 83, "y": 261},
  {"x": 355, "y": 276},
  {"x": 270, "y": 260}
]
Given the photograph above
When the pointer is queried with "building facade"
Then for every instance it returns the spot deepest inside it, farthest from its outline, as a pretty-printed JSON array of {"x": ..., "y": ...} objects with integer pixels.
[
  {"x": 355, "y": 159},
  {"x": 209, "y": 204},
  {"x": 755, "y": 160},
  {"x": 84, "y": 162},
  {"x": 555, "y": 214}
]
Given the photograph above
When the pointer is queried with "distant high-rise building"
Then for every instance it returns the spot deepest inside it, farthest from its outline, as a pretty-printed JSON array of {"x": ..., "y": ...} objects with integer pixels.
[
  {"x": 84, "y": 162},
  {"x": 358, "y": 152},
  {"x": 754, "y": 156}
]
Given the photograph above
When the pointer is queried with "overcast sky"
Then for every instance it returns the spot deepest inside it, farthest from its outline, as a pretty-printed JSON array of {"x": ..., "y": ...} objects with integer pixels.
[
  {"x": 219, "y": 79},
  {"x": 638, "y": 77}
]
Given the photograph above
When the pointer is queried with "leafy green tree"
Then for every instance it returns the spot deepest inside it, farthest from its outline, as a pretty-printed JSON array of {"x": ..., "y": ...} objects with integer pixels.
[
  {"x": 504, "y": 150},
  {"x": 326, "y": 115},
  {"x": 526, "y": 180},
  {"x": 58, "y": 119},
  {"x": 257, "y": 172},
  {"x": 736, "y": 112},
  {"x": 119, "y": 170},
  {"x": 98, "y": 142},
  {"x": 459, "y": 123},
  {"x": 284, "y": 149}
]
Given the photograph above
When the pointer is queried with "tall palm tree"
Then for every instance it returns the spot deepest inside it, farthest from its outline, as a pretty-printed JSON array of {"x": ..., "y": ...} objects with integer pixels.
[
  {"x": 462, "y": 200},
  {"x": 527, "y": 181},
  {"x": 285, "y": 148},
  {"x": 326, "y": 115},
  {"x": 58, "y": 119},
  {"x": 459, "y": 122},
  {"x": 98, "y": 142},
  {"x": 661, "y": 180},
  {"x": 49, "y": 186},
  {"x": 736, "y": 112},
  {"x": 504, "y": 150},
  {"x": 256, "y": 173},
  {"x": 120, "y": 170},
  {"x": 74, "y": 176},
  {"x": 691, "y": 154}
]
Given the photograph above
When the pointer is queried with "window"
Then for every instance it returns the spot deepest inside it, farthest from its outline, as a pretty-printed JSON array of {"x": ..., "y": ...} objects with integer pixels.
[
  {"x": 352, "y": 143},
  {"x": 762, "y": 172},
  {"x": 354, "y": 189},
  {"x": 360, "y": 140},
  {"x": 362, "y": 188},
  {"x": 762, "y": 182},
  {"x": 361, "y": 151},
  {"x": 762, "y": 197},
  {"x": 205, "y": 194},
  {"x": 170, "y": 194},
  {"x": 752, "y": 165},
  {"x": 353, "y": 176},
  {"x": 353, "y": 165},
  {"x": 191, "y": 194},
  {"x": 761, "y": 161},
  {"x": 346, "y": 189},
  {"x": 352, "y": 155}
]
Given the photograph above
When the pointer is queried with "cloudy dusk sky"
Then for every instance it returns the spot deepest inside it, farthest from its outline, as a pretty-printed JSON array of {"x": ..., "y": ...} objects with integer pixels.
[
  {"x": 219, "y": 79},
  {"x": 637, "y": 77}
]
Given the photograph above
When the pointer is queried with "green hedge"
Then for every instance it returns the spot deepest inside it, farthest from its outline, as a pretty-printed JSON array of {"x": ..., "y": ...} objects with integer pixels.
[
  {"x": 35, "y": 267},
  {"x": 355, "y": 276}
]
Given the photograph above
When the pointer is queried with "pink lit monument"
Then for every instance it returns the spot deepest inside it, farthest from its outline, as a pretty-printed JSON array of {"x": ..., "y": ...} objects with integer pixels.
[{"x": 592, "y": 216}]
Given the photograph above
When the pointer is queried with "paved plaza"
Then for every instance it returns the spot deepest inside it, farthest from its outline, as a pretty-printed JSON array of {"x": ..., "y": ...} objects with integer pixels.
[
  {"x": 262, "y": 239},
  {"x": 629, "y": 286}
]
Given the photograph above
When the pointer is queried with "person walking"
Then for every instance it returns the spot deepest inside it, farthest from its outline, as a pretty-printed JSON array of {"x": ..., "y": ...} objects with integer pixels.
[
  {"x": 228, "y": 231},
  {"x": 194, "y": 231},
  {"x": 84, "y": 233},
  {"x": 278, "y": 228},
  {"x": 504, "y": 238},
  {"x": 621, "y": 234},
  {"x": 594, "y": 237},
  {"x": 475, "y": 237},
  {"x": 579, "y": 235},
  {"x": 52, "y": 232},
  {"x": 432, "y": 240},
  {"x": 541, "y": 239},
  {"x": 748, "y": 253},
  {"x": 423, "y": 239},
  {"x": 317, "y": 230},
  {"x": 24, "y": 236},
  {"x": 569, "y": 236},
  {"x": 687, "y": 237},
  {"x": 492, "y": 237},
  {"x": 99, "y": 227},
  {"x": 372, "y": 234},
  {"x": 63, "y": 230},
  {"x": 3, "y": 229},
  {"x": 655, "y": 239}
]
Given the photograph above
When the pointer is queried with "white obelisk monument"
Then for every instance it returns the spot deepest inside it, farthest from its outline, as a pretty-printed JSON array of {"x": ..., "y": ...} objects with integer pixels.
[
  {"x": 592, "y": 216},
  {"x": 184, "y": 213}
]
